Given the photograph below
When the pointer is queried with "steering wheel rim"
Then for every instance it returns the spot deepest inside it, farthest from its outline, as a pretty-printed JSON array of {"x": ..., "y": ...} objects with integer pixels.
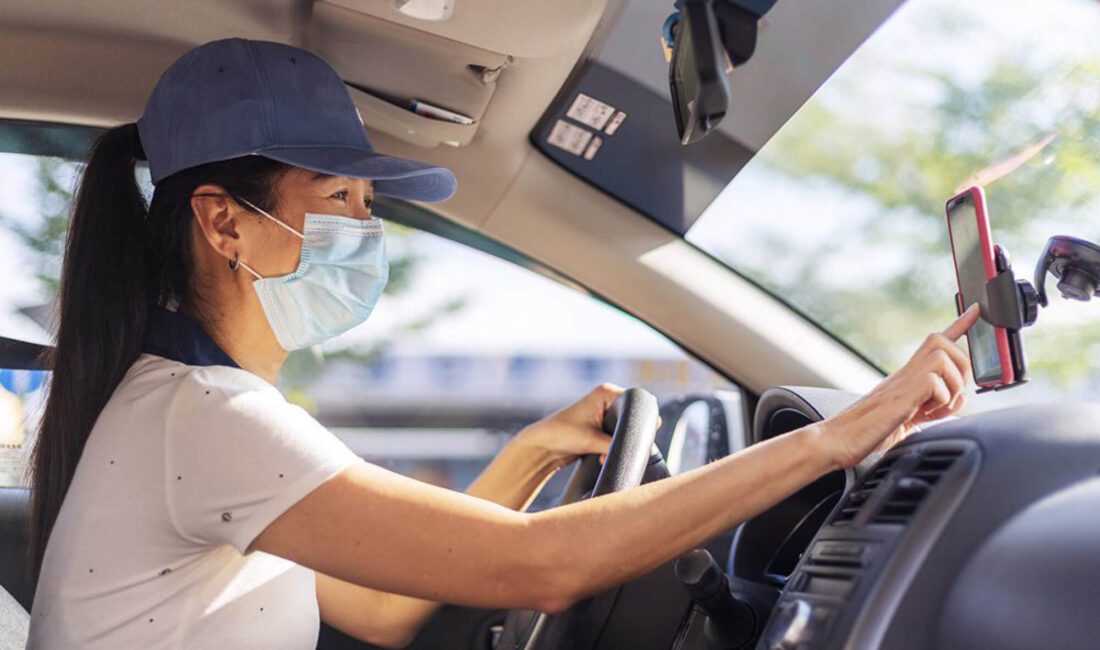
[{"x": 632, "y": 422}]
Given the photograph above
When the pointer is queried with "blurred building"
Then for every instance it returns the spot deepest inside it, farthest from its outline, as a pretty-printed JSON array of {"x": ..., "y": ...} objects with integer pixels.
[{"x": 485, "y": 392}]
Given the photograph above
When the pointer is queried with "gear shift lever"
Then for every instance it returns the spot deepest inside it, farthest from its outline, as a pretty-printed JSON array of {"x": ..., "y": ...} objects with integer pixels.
[{"x": 731, "y": 622}]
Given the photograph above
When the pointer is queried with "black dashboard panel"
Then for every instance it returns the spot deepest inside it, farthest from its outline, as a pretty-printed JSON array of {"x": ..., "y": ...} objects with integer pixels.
[
  {"x": 907, "y": 559},
  {"x": 1028, "y": 453},
  {"x": 851, "y": 561},
  {"x": 1034, "y": 581},
  {"x": 766, "y": 548}
]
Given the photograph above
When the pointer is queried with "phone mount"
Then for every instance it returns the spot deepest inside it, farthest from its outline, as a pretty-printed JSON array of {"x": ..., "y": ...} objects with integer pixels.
[
  {"x": 1010, "y": 304},
  {"x": 1014, "y": 304}
]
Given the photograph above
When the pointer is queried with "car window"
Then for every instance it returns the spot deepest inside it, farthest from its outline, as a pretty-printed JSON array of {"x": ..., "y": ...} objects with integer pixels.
[
  {"x": 21, "y": 396},
  {"x": 463, "y": 350}
]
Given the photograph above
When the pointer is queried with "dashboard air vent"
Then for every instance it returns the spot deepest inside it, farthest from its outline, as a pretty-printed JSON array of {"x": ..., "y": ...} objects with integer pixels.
[
  {"x": 914, "y": 485},
  {"x": 861, "y": 492}
]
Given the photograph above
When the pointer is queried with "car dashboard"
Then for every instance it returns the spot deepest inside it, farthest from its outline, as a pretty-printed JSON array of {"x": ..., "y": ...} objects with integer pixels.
[
  {"x": 978, "y": 533},
  {"x": 855, "y": 571},
  {"x": 974, "y": 533}
]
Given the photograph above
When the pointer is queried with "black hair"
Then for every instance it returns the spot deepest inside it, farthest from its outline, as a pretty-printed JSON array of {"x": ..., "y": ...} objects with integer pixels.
[{"x": 123, "y": 257}]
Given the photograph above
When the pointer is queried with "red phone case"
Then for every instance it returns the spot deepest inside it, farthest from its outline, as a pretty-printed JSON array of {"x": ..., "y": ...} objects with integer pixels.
[{"x": 986, "y": 244}]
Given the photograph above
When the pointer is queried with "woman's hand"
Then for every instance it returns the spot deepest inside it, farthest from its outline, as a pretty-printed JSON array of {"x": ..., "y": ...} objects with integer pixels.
[
  {"x": 572, "y": 431},
  {"x": 928, "y": 387}
]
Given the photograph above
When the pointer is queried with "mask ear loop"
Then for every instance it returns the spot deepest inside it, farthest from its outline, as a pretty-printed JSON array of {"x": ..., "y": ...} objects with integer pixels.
[
  {"x": 236, "y": 261},
  {"x": 287, "y": 227},
  {"x": 237, "y": 257},
  {"x": 249, "y": 204}
]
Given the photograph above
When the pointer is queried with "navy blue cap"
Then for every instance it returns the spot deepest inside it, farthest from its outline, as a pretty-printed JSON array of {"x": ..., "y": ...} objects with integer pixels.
[{"x": 235, "y": 97}]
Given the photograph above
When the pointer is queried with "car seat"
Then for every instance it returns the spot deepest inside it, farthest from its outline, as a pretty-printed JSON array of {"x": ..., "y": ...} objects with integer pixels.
[{"x": 16, "y": 590}]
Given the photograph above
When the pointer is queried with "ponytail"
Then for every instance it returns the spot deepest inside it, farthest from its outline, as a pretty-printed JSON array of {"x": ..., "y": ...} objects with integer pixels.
[
  {"x": 122, "y": 257},
  {"x": 102, "y": 313}
]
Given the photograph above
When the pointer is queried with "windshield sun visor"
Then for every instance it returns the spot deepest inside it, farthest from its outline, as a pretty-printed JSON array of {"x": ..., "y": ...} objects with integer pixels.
[{"x": 617, "y": 134}]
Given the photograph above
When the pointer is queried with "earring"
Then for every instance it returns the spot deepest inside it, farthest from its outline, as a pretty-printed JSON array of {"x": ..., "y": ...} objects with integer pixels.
[{"x": 233, "y": 263}]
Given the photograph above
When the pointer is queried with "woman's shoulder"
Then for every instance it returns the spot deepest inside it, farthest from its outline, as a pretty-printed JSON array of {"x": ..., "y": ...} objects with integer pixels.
[
  {"x": 226, "y": 398},
  {"x": 196, "y": 393},
  {"x": 225, "y": 379}
]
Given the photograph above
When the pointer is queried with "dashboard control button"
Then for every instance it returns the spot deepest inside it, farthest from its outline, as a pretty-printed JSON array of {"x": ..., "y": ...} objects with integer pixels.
[
  {"x": 820, "y": 619},
  {"x": 791, "y": 626},
  {"x": 846, "y": 549},
  {"x": 831, "y": 585},
  {"x": 911, "y": 488},
  {"x": 859, "y": 497},
  {"x": 837, "y": 552}
]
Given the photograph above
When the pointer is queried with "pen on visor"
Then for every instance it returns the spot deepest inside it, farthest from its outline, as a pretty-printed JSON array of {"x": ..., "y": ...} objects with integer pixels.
[{"x": 437, "y": 113}]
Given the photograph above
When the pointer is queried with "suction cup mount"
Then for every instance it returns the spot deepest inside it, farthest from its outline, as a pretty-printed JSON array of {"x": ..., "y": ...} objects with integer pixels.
[{"x": 1075, "y": 263}]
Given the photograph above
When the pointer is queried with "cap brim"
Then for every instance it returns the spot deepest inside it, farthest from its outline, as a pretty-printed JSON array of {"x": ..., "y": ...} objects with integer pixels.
[{"x": 392, "y": 176}]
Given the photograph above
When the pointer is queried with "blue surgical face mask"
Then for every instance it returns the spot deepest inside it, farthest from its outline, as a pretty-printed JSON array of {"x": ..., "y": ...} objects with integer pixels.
[{"x": 339, "y": 279}]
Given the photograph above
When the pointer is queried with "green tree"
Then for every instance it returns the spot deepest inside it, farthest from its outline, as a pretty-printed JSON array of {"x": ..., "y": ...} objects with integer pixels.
[
  {"x": 908, "y": 159},
  {"x": 46, "y": 238}
]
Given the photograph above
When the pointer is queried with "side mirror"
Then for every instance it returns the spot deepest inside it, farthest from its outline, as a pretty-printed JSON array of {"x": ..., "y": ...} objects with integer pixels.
[
  {"x": 698, "y": 429},
  {"x": 690, "y": 445}
]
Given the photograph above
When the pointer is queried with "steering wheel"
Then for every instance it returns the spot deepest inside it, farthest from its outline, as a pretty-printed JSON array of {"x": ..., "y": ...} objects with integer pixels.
[{"x": 632, "y": 422}]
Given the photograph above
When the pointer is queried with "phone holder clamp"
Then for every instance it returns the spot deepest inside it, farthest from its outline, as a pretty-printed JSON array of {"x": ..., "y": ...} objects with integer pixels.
[{"x": 1009, "y": 303}]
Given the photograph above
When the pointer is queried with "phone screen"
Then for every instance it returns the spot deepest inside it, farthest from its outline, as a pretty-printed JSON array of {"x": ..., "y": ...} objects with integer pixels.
[{"x": 962, "y": 220}]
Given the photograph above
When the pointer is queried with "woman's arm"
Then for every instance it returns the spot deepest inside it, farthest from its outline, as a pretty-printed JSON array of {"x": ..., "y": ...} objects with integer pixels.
[
  {"x": 512, "y": 479},
  {"x": 375, "y": 528},
  {"x": 413, "y": 538}
]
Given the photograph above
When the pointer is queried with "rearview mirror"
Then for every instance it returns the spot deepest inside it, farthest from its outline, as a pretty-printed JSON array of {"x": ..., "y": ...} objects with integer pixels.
[
  {"x": 709, "y": 38},
  {"x": 697, "y": 79}
]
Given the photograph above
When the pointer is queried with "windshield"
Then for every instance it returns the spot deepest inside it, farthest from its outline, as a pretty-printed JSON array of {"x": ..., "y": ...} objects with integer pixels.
[{"x": 842, "y": 212}]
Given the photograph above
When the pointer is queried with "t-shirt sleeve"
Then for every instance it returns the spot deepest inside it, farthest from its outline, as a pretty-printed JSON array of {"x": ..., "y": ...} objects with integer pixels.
[{"x": 238, "y": 455}]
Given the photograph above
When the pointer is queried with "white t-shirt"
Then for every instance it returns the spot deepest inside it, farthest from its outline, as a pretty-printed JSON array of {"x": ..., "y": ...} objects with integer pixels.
[{"x": 185, "y": 466}]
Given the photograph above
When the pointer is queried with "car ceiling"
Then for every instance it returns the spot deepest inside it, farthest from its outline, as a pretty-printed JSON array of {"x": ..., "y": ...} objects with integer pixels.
[{"x": 95, "y": 63}]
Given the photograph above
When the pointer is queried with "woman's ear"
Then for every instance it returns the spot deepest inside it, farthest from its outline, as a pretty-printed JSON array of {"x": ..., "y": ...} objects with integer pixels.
[{"x": 214, "y": 214}]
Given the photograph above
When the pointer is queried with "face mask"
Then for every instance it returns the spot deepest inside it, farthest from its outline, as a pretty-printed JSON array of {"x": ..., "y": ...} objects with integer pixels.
[{"x": 339, "y": 279}]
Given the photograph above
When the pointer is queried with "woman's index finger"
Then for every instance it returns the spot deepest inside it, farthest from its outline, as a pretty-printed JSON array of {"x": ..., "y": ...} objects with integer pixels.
[{"x": 963, "y": 323}]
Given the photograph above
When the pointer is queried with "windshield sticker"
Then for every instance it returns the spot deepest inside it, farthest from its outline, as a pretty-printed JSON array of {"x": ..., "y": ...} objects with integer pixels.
[
  {"x": 616, "y": 121},
  {"x": 570, "y": 137},
  {"x": 593, "y": 148},
  {"x": 592, "y": 112}
]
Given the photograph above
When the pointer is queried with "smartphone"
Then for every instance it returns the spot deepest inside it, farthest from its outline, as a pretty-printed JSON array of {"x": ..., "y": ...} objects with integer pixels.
[{"x": 972, "y": 248}]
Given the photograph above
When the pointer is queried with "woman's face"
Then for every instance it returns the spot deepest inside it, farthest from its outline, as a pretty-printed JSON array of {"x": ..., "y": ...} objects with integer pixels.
[{"x": 300, "y": 191}]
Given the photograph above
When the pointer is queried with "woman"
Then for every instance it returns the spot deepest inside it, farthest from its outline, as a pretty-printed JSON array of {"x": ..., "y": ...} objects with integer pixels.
[{"x": 186, "y": 504}]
